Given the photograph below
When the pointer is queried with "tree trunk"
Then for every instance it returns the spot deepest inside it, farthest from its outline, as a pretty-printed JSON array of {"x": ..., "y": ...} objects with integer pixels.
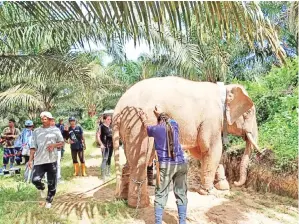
[{"x": 91, "y": 110}]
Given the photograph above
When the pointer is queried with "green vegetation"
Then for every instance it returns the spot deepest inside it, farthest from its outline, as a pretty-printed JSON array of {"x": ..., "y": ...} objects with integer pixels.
[
  {"x": 89, "y": 123},
  {"x": 276, "y": 98}
]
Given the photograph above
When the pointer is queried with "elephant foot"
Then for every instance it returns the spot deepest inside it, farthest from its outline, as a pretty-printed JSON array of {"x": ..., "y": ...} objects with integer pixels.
[
  {"x": 210, "y": 191},
  {"x": 213, "y": 191},
  {"x": 138, "y": 194},
  {"x": 222, "y": 184},
  {"x": 124, "y": 185}
]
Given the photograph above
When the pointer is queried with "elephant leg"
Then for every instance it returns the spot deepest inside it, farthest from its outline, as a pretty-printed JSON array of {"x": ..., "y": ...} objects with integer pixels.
[
  {"x": 138, "y": 194},
  {"x": 221, "y": 182},
  {"x": 195, "y": 152},
  {"x": 210, "y": 144},
  {"x": 125, "y": 180}
]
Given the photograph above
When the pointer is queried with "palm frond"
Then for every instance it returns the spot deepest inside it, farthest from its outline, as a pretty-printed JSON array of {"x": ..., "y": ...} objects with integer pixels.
[
  {"x": 22, "y": 96},
  {"x": 43, "y": 67},
  {"x": 124, "y": 18},
  {"x": 21, "y": 32}
]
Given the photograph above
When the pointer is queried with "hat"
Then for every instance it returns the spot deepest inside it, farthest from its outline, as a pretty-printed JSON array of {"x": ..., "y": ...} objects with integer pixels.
[
  {"x": 46, "y": 114},
  {"x": 72, "y": 119},
  {"x": 28, "y": 123}
]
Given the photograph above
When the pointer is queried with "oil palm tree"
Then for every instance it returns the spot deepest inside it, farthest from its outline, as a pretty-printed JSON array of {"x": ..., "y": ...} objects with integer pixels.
[{"x": 126, "y": 19}]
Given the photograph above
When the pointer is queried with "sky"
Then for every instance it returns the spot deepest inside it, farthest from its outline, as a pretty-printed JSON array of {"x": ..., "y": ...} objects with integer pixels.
[{"x": 132, "y": 52}]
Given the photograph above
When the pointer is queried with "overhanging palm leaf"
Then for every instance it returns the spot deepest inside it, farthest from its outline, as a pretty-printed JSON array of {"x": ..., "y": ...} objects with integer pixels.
[
  {"x": 42, "y": 67},
  {"x": 21, "y": 32},
  {"x": 21, "y": 96},
  {"x": 125, "y": 17}
]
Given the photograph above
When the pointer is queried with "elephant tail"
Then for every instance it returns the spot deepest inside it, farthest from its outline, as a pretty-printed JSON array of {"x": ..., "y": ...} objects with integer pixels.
[{"x": 116, "y": 139}]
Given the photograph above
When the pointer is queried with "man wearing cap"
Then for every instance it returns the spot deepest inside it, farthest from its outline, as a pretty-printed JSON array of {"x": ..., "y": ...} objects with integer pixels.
[
  {"x": 46, "y": 140},
  {"x": 76, "y": 139},
  {"x": 9, "y": 133}
]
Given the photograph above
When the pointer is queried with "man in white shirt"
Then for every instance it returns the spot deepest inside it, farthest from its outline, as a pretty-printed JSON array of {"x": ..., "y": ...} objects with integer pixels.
[{"x": 46, "y": 141}]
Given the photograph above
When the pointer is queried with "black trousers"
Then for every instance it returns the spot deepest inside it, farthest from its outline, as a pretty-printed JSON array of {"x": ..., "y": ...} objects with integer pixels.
[
  {"x": 78, "y": 153},
  {"x": 38, "y": 174},
  {"x": 26, "y": 159},
  {"x": 109, "y": 156}
]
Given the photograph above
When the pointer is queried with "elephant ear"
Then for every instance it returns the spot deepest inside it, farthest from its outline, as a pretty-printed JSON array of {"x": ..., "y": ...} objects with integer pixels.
[{"x": 237, "y": 103}]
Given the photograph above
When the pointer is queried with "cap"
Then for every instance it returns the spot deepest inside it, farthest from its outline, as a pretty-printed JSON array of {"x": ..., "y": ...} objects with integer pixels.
[
  {"x": 28, "y": 123},
  {"x": 72, "y": 119},
  {"x": 46, "y": 114}
]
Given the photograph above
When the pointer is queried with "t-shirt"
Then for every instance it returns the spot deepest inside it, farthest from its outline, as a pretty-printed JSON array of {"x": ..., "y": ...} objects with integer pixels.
[
  {"x": 61, "y": 127},
  {"x": 41, "y": 138},
  {"x": 106, "y": 135},
  {"x": 24, "y": 138},
  {"x": 9, "y": 142},
  {"x": 160, "y": 140},
  {"x": 75, "y": 134}
]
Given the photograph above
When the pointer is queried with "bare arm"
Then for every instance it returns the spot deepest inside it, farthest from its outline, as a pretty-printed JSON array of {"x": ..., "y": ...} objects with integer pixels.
[
  {"x": 31, "y": 158},
  {"x": 143, "y": 119}
]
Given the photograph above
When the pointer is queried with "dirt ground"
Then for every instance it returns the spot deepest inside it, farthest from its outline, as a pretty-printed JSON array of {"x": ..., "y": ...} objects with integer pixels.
[{"x": 240, "y": 206}]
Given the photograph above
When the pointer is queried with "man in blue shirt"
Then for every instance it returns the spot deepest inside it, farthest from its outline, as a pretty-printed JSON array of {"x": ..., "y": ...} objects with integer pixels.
[{"x": 173, "y": 166}]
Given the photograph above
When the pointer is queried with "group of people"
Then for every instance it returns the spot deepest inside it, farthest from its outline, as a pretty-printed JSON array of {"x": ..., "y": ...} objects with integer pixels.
[
  {"x": 16, "y": 144},
  {"x": 42, "y": 149}
]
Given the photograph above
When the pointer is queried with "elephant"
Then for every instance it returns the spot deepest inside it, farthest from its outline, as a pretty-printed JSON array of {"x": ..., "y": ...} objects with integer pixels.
[{"x": 203, "y": 110}]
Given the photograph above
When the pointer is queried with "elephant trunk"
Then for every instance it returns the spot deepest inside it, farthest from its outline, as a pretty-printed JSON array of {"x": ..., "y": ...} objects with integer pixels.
[
  {"x": 244, "y": 165},
  {"x": 250, "y": 142}
]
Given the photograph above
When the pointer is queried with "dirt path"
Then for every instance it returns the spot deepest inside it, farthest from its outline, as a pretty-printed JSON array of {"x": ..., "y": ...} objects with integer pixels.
[{"x": 85, "y": 202}]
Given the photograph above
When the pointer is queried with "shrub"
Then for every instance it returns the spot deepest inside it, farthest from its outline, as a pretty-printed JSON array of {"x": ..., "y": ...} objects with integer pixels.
[
  {"x": 276, "y": 100},
  {"x": 89, "y": 123}
]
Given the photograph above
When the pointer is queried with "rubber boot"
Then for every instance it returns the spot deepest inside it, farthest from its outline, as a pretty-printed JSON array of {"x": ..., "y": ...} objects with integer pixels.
[
  {"x": 182, "y": 210},
  {"x": 83, "y": 169},
  {"x": 158, "y": 215},
  {"x": 76, "y": 168},
  {"x": 108, "y": 171}
]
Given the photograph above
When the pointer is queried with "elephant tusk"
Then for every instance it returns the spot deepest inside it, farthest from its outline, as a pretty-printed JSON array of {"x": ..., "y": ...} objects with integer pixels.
[{"x": 251, "y": 140}]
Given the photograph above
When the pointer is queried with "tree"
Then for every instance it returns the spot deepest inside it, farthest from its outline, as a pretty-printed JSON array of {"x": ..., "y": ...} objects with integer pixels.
[{"x": 124, "y": 20}]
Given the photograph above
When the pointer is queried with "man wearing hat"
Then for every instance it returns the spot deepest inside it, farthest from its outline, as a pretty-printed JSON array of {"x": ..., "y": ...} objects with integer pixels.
[
  {"x": 76, "y": 139},
  {"x": 46, "y": 141},
  {"x": 9, "y": 134}
]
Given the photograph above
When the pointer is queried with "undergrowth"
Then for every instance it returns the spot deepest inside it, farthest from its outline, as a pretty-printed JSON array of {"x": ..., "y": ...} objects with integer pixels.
[{"x": 276, "y": 100}]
